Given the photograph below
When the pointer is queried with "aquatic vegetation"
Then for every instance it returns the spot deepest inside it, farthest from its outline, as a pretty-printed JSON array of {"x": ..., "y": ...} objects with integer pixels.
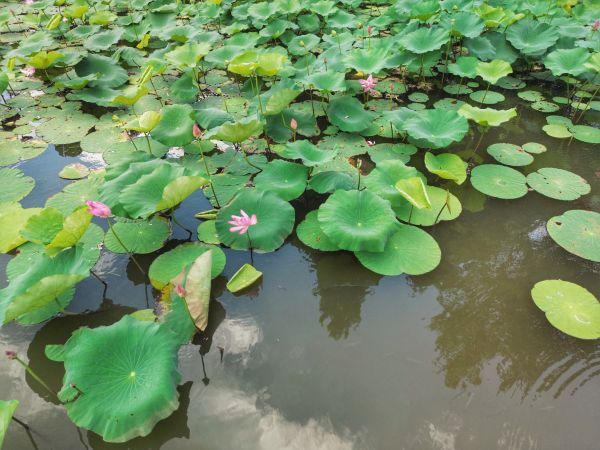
[{"x": 351, "y": 124}]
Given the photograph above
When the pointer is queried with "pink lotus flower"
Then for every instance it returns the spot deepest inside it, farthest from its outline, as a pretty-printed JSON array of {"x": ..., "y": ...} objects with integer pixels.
[
  {"x": 293, "y": 124},
  {"x": 242, "y": 223},
  {"x": 596, "y": 24},
  {"x": 196, "y": 131},
  {"x": 369, "y": 29},
  {"x": 368, "y": 84},
  {"x": 370, "y": 143},
  {"x": 28, "y": 71},
  {"x": 10, "y": 354},
  {"x": 28, "y": 2},
  {"x": 98, "y": 209},
  {"x": 180, "y": 290}
]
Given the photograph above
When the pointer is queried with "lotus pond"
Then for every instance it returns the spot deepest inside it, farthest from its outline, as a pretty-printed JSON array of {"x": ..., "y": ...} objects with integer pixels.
[{"x": 297, "y": 224}]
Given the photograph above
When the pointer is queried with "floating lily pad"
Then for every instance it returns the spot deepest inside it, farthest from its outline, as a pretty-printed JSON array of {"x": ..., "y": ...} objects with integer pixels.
[
  {"x": 138, "y": 236},
  {"x": 487, "y": 97},
  {"x": 499, "y": 181},
  {"x": 245, "y": 277},
  {"x": 545, "y": 106},
  {"x": 207, "y": 232},
  {"x": 578, "y": 232},
  {"x": 74, "y": 171},
  {"x": 569, "y": 307},
  {"x": 15, "y": 185},
  {"x": 510, "y": 154},
  {"x": 357, "y": 220},
  {"x": 558, "y": 184},
  {"x": 409, "y": 250},
  {"x": 534, "y": 148},
  {"x": 585, "y": 133},
  {"x": 310, "y": 233}
]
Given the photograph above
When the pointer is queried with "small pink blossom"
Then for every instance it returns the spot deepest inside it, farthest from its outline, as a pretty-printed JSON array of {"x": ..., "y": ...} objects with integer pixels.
[
  {"x": 293, "y": 124},
  {"x": 242, "y": 223},
  {"x": 10, "y": 354},
  {"x": 196, "y": 131},
  {"x": 28, "y": 2},
  {"x": 369, "y": 29},
  {"x": 98, "y": 209},
  {"x": 370, "y": 143},
  {"x": 180, "y": 290},
  {"x": 596, "y": 24},
  {"x": 28, "y": 71},
  {"x": 368, "y": 84},
  {"x": 35, "y": 93}
]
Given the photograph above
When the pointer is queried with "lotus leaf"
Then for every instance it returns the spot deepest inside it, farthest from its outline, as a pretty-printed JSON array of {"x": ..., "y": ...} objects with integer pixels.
[
  {"x": 510, "y": 154},
  {"x": 7, "y": 409},
  {"x": 437, "y": 128},
  {"x": 494, "y": 70},
  {"x": 447, "y": 166},
  {"x": 558, "y": 184},
  {"x": 138, "y": 236},
  {"x": 237, "y": 131},
  {"x": 567, "y": 61},
  {"x": 245, "y": 277},
  {"x": 444, "y": 206},
  {"x": 15, "y": 185},
  {"x": 425, "y": 40},
  {"x": 348, "y": 114},
  {"x": 310, "y": 233},
  {"x": 487, "y": 116},
  {"x": 578, "y": 232},
  {"x": 499, "y": 181}
]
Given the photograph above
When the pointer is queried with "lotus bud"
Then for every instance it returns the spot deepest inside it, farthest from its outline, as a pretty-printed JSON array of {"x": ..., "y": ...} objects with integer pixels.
[
  {"x": 333, "y": 33},
  {"x": 359, "y": 25},
  {"x": 180, "y": 290},
  {"x": 219, "y": 91},
  {"x": 596, "y": 24},
  {"x": 196, "y": 131},
  {"x": 369, "y": 29},
  {"x": 293, "y": 124},
  {"x": 10, "y": 354},
  {"x": 302, "y": 44}
]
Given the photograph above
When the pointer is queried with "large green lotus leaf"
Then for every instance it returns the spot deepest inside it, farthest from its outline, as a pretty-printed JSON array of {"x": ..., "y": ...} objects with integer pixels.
[
  {"x": 244, "y": 64},
  {"x": 382, "y": 180},
  {"x": 188, "y": 55},
  {"x": 207, "y": 233},
  {"x": 12, "y": 220},
  {"x": 330, "y": 181},
  {"x": 68, "y": 129},
  {"x": 357, "y": 220},
  {"x": 447, "y": 166},
  {"x": 510, "y": 154},
  {"x": 532, "y": 37},
  {"x": 168, "y": 265},
  {"x": 438, "y": 128},
  {"x": 13, "y": 151},
  {"x": 569, "y": 307},
  {"x": 494, "y": 70},
  {"x": 328, "y": 81},
  {"x": 310, "y": 154},
  {"x": 245, "y": 277},
  {"x": 467, "y": 24},
  {"x": 465, "y": 66},
  {"x": 370, "y": 61},
  {"x": 7, "y": 409},
  {"x": 175, "y": 125},
  {"x": 138, "y": 236},
  {"x": 567, "y": 61},
  {"x": 409, "y": 250},
  {"x": 425, "y": 39},
  {"x": 269, "y": 64},
  {"x": 280, "y": 100},
  {"x": 103, "y": 40},
  {"x": 414, "y": 190},
  {"x": 110, "y": 73},
  {"x": 127, "y": 375},
  {"x": 15, "y": 185},
  {"x": 387, "y": 151},
  {"x": 178, "y": 190},
  {"x": 130, "y": 95},
  {"x": 578, "y": 232},
  {"x": 348, "y": 114},
  {"x": 310, "y": 234},
  {"x": 197, "y": 284},
  {"x": 73, "y": 228},
  {"x": 558, "y": 184},
  {"x": 487, "y": 116},
  {"x": 75, "y": 194},
  {"x": 43, "y": 227},
  {"x": 286, "y": 179},
  {"x": 444, "y": 206},
  {"x": 499, "y": 181},
  {"x": 585, "y": 133},
  {"x": 275, "y": 221},
  {"x": 236, "y": 132}
]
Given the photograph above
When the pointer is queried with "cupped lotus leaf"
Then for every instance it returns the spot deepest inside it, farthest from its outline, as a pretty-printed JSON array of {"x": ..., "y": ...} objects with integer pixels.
[
  {"x": 348, "y": 114},
  {"x": 188, "y": 55},
  {"x": 270, "y": 64},
  {"x": 15, "y": 185},
  {"x": 310, "y": 234},
  {"x": 286, "y": 179},
  {"x": 102, "y": 17},
  {"x": 494, "y": 70},
  {"x": 414, "y": 190},
  {"x": 127, "y": 376},
  {"x": 569, "y": 307},
  {"x": 12, "y": 220},
  {"x": 585, "y": 133},
  {"x": 42, "y": 228},
  {"x": 236, "y": 132},
  {"x": 174, "y": 128},
  {"x": 372, "y": 60},
  {"x": 382, "y": 180},
  {"x": 207, "y": 232},
  {"x": 110, "y": 74},
  {"x": 7, "y": 409},
  {"x": 197, "y": 286},
  {"x": 409, "y": 250},
  {"x": 499, "y": 181},
  {"x": 74, "y": 171},
  {"x": 275, "y": 221},
  {"x": 447, "y": 166},
  {"x": 145, "y": 123},
  {"x": 567, "y": 61},
  {"x": 138, "y": 236},
  {"x": 425, "y": 39},
  {"x": 244, "y": 64},
  {"x": 73, "y": 228},
  {"x": 328, "y": 81},
  {"x": 487, "y": 116},
  {"x": 170, "y": 264},
  {"x": 532, "y": 37},
  {"x": 280, "y": 100},
  {"x": 357, "y": 220},
  {"x": 43, "y": 59},
  {"x": 310, "y": 154},
  {"x": 330, "y": 181},
  {"x": 444, "y": 206},
  {"x": 103, "y": 40},
  {"x": 558, "y": 184},
  {"x": 510, "y": 154},
  {"x": 438, "y": 128},
  {"x": 593, "y": 62},
  {"x": 465, "y": 66},
  {"x": 130, "y": 95},
  {"x": 245, "y": 277},
  {"x": 578, "y": 232},
  {"x": 178, "y": 190}
]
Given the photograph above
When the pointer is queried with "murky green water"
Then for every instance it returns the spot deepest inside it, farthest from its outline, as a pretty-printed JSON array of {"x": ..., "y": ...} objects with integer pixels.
[{"x": 324, "y": 354}]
